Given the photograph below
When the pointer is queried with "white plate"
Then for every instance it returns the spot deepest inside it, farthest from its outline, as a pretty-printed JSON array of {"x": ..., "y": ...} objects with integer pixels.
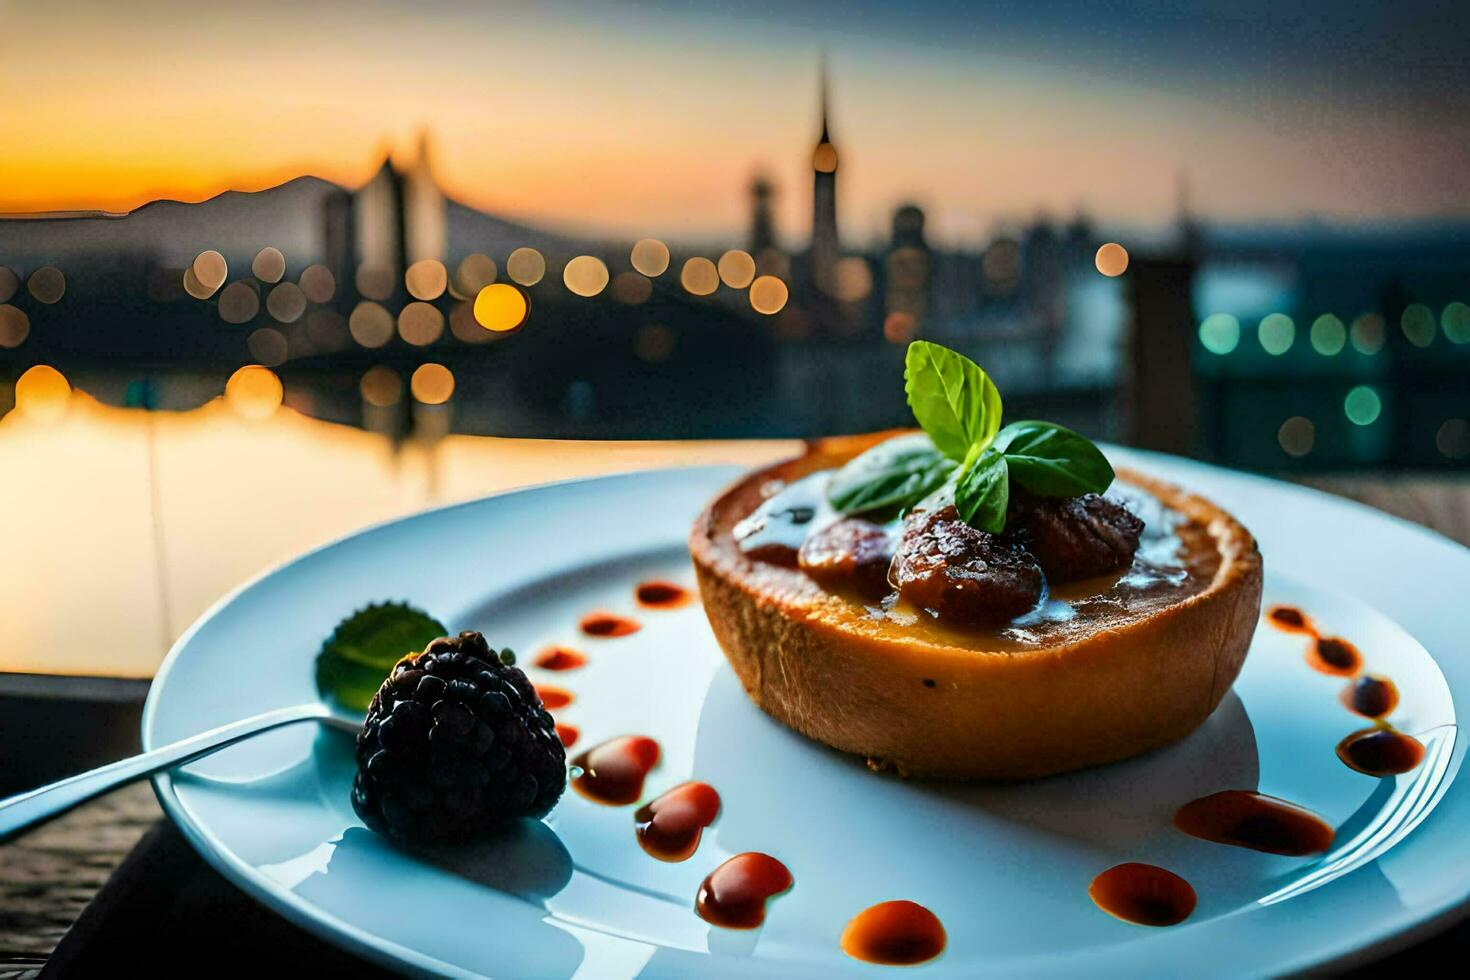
[{"x": 1005, "y": 868}]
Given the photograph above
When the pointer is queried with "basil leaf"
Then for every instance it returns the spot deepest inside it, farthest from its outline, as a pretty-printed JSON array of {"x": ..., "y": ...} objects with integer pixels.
[
  {"x": 1052, "y": 461},
  {"x": 896, "y": 473},
  {"x": 983, "y": 492},
  {"x": 954, "y": 401}
]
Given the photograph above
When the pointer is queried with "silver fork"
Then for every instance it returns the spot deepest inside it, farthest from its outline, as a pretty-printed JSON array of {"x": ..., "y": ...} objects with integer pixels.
[{"x": 25, "y": 810}]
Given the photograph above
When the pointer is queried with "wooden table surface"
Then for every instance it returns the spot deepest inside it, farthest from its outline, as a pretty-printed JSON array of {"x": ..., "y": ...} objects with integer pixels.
[{"x": 48, "y": 876}]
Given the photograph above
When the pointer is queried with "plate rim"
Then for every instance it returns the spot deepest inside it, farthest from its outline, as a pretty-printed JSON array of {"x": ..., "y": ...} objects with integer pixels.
[{"x": 1393, "y": 932}]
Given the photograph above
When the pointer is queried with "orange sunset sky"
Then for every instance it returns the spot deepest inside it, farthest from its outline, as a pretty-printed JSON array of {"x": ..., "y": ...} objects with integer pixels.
[{"x": 650, "y": 118}]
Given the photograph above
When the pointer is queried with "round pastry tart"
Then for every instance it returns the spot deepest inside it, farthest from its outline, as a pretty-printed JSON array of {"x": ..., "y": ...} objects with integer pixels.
[{"x": 1081, "y": 629}]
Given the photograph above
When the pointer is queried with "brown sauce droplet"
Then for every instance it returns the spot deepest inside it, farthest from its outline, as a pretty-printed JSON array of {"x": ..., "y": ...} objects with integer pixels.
[
  {"x": 1371, "y": 696},
  {"x": 1242, "y": 818},
  {"x": 1143, "y": 894},
  {"x": 560, "y": 658},
  {"x": 669, "y": 828},
  {"x": 1380, "y": 751},
  {"x": 613, "y": 771},
  {"x": 894, "y": 934},
  {"x": 554, "y": 697},
  {"x": 663, "y": 595},
  {"x": 568, "y": 734},
  {"x": 1334, "y": 655},
  {"x": 607, "y": 624},
  {"x": 1290, "y": 619},
  {"x": 734, "y": 895}
]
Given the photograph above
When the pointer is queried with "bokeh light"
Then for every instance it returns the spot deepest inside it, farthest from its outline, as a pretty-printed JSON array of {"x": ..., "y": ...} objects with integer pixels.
[
  {"x": 1455, "y": 321},
  {"x": 1277, "y": 333},
  {"x": 286, "y": 302},
  {"x": 899, "y": 327},
  {"x": 1362, "y": 405},
  {"x": 1220, "y": 333},
  {"x": 700, "y": 277},
  {"x": 210, "y": 270},
  {"x": 824, "y": 158},
  {"x": 381, "y": 386},
  {"x": 47, "y": 284},
  {"x": 525, "y": 266},
  {"x": 654, "y": 343},
  {"x": 1368, "y": 333},
  {"x": 194, "y": 287},
  {"x": 42, "y": 393},
  {"x": 267, "y": 346},
  {"x": 631, "y": 288},
  {"x": 420, "y": 324},
  {"x": 1328, "y": 335},
  {"x": 1418, "y": 324},
  {"x": 464, "y": 326},
  {"x": 650, "y": 257},
  {"x": 473, "y": 274},
  {"x": 736, "y": 268},
  {"x": 1297, "y": 436},
  {"x": 370, "y": 324},
  {"x": 586, "y": 275},
  {"x": 254, "y": 392},
  {"x": 1111, "y": 259},
  {"x": 318, "y": 284},
  {"x": 1453, "y": 438},
  {"x": 374, "y": 281},
  {"x": 854, "y": 279},
  {"x": 9, "y": 283},
  {"x": 238, "y": 303},
  {"x": 768, "y": 295},
  {"x": 500, "y": 307},
  {"x": 15, "y": 326},
  {"x": 426, "y": 279},
  {"x": 269, "y": 265},
  {"x": 432, "y": 384}
]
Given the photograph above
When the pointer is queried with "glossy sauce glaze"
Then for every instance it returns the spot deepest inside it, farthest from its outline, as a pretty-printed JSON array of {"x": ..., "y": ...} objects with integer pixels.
[
  {"x": 553, "y": 698},
  {"x": 1143, "y": 894},
  {"x": 734, "y": 895},
  {"x": 1176, "y": 558},
  {"x": 613, "y": 771},
  {"x": 1242, "y": 818},
  {"x": 1371, "y": 696},
  {"x": 670, "y": 827},
  {"x": 658, "y": 594},
  {"x": 1334, "y": 655},
  {"x": 1380, "y": 751},
  {"x": 1290, "y": 619},
  {"x": 568, "y": 734},
  {"x": 898, "y": 933},
  {"x": 604, "y": 624},
  {"x": 560, "y": 658}
]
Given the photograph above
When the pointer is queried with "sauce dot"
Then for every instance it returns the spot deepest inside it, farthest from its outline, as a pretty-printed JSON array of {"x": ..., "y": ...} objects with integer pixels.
[
  {"x": 560, "y": 658},
  {"x": 662, "y": 595},
  {"x": 670, "y": 827},
  {"x": 613, "y": 771},
  {"x": 896, "y": 933},
  {"x": 734, "y": 895},
  {"x": 1380, "y": 752},
  {"x": 1242, "y": 818},
  {"x": 607, "y": 625},
  {"x": 554, "y": 697},
  {"x": 568, "y": 734},
  {"x": 1290, "y": 619},
  {"x": 1143, "y": 894},
  {"x": 1334, "y": 655},
  {"x": 1371, "y": 696}
]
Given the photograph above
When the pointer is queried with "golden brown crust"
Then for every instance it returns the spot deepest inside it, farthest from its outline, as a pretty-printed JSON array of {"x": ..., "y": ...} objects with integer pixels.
[{"x": 821, "y": 665}]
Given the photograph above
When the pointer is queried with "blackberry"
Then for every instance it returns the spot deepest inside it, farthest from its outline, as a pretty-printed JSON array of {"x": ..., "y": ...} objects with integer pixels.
[{"x": 455, "y": 744}]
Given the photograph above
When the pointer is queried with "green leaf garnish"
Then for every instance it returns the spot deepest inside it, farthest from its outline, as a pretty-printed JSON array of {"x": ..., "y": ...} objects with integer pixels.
[
  {"x": 363, "y": 648},
  {"x": 982, "y": 493},
  {"x": 964, "y": 456},
  {"x": 1052, "y": 461},
  {"x": 892, "y": 475},
  {"x": 954, "y": 401}
]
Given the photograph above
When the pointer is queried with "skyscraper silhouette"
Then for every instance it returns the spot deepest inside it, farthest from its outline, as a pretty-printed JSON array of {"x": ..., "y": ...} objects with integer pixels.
[{"x": 824, "y": 251}]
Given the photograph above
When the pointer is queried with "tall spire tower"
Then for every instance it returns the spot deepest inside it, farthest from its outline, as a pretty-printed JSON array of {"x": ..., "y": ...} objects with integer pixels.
[{"x": 824, "y": 251}]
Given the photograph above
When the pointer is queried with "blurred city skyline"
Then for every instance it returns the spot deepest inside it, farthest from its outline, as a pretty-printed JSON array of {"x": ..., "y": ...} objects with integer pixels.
[{"x": 632, "y": 119}]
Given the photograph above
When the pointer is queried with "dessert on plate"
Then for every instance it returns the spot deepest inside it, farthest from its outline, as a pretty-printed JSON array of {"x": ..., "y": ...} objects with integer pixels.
[{"x": 976, "y": 602}]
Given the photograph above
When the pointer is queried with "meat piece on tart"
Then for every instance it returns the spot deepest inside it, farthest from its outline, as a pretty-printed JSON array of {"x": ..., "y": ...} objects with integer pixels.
[
  {"x": 1073, "y": 537},
  {"x": 962, "y": 574},
  {"x": 849, "y": 555}
]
